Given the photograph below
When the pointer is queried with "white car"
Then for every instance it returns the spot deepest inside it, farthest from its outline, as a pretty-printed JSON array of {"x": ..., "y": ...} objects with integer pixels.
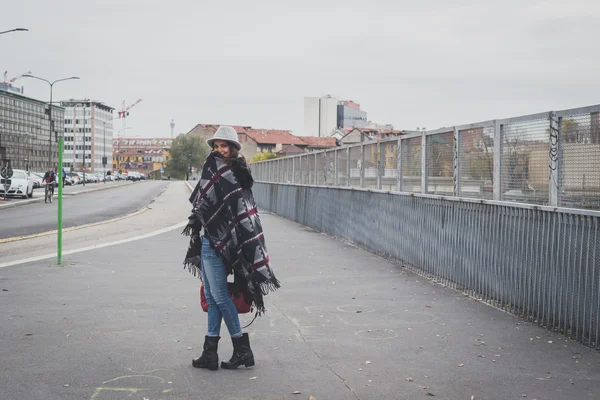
[{"x": 19, "y": 185}]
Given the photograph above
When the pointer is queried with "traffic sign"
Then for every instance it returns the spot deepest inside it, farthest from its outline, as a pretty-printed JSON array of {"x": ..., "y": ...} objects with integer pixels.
[{"x": 162, "y": 170}]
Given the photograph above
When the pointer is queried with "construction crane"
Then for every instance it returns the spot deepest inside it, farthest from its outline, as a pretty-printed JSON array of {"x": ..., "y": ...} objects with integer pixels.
[
  {"x": 16, "y": 77},
  {"x": 123, "y": 114},
  {"x": 125, "y": 111}
]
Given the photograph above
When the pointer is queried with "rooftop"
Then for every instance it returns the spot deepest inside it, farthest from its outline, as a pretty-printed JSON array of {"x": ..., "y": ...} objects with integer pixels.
[{"x": 315, "y": 141}]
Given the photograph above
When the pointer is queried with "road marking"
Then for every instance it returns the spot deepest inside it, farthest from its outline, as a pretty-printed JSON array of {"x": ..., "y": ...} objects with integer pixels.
[{"x": 97, "y": 246}]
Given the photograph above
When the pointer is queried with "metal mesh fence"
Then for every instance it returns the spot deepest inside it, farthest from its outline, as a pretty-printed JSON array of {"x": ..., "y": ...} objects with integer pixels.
[
  {"x": 440, "y": 163},
  {"x": 411, "y": 165},
  {"x": 476, "y": 162},
  {"x": 389, "y": 158},
  {"x": 280, "y": 170},
  {"x": 525, "y": 161},
  {"x": 297, "y": 170},
  {"x": 320, "y": 160},
  {"x": 342, "y": 164},
  {"x": 579, "y": 172},
  {"x": 290, "y": 170},
  {"x": 371, "y": 165},
  {"x": 330, "y": 167},
  {"x": 305, "y": 170},
  {"x": 547, "y": 158},
  {"x": 311, "y": 169},
  {"x": 355, "y": 166}
]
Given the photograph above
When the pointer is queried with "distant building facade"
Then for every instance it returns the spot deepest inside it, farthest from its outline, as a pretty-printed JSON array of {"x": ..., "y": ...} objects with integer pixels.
[
  {"x": 143, "y": 155},
  {"x": 350, "y": 115},
  {"x": 325, "y": 116},
  {"x": 88, "y": 136},
  {"x": 25, "y": 138}
]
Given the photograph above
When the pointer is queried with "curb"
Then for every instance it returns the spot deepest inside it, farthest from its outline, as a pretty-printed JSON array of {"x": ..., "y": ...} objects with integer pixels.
[{"x": 39, "y": 200}]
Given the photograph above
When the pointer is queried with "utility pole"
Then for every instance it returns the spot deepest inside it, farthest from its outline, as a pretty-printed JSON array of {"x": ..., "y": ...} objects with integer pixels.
[{"x": 172, "y": 128}]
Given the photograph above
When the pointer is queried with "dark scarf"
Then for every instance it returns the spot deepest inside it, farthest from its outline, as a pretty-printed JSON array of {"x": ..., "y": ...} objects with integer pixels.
[{"x": 224, "y": 207}]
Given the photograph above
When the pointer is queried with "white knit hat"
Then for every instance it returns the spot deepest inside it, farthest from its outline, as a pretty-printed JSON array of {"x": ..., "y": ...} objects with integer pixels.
[{"x": 226, "y": 133}]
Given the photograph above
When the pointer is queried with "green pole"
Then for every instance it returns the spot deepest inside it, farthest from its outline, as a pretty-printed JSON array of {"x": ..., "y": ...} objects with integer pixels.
[{"x": 60, "y": 198}]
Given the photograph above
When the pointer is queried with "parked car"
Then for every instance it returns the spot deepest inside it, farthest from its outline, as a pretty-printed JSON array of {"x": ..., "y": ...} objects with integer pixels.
[
  {"x": 74, "y": 178},
  {"x": 20, "y": 185},
  {"x": 36, "y": 178}
]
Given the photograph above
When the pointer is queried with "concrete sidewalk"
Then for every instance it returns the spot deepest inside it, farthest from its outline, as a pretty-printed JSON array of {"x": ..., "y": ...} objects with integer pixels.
[
  {"x": 38, "y": 194},
  {"x": 125, "y": 322}
]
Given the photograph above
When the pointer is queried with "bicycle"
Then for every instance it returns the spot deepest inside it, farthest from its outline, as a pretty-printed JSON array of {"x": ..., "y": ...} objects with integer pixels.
[{"x": 48, "y": 192}]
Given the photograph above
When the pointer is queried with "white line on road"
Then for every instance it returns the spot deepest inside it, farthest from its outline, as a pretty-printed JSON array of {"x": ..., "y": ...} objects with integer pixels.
[{"x": 95, "y": 247}]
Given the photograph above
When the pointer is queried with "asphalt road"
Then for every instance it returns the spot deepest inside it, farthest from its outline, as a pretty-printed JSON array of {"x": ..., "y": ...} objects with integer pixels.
[{"x": 78, "y": 210}]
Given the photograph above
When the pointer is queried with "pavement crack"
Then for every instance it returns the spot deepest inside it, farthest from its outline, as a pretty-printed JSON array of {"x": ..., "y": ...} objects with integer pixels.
[{"x": 317, "y": 353}]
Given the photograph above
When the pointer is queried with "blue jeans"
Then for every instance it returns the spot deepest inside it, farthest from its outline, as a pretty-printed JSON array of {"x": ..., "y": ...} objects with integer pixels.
[{"x": 220, "y": 305}]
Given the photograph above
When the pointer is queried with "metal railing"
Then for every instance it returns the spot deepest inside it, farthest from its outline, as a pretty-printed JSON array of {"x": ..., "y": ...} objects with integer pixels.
[
  {"x": 550, "y": 158},
  {"x": 533, "y": 261},
  {"x": 452, "y": 205}
]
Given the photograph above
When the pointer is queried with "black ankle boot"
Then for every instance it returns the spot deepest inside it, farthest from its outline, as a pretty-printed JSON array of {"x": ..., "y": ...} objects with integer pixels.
[
  {"x": 242, "y": 354},
  {"x": 209, "y": 358}
]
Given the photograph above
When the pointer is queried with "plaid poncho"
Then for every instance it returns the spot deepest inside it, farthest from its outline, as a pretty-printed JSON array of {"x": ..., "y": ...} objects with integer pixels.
[{"x": 223, "y": 206}]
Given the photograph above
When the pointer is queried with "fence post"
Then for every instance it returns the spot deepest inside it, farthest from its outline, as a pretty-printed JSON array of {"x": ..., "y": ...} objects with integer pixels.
[
  {"x": 423, "y": 163},
  {"x": 361, "y": 171},
  {"x": 553, "y": 185},
  {"x": 300, "y": 170},
  {"x": 348, "y": 166},
  {"x": 335, "y": 167},
  {"x": 325, "y": 168},
  {"x": 399, "y": 163},
  {"x": 380, "y": 165},
  {"x": 316, "y": 182},
  {"x": 456, "y": 172},
  {"x": 497, "y": 160}
]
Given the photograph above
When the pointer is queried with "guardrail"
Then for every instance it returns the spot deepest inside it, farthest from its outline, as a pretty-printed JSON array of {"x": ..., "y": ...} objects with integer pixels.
[
  {"x": 503, "y": 210},
  {"x": 539, "y": 263}
]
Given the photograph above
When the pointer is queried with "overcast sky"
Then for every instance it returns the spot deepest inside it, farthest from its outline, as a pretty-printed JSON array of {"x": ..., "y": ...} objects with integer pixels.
[{"x": 432, "y": 64}]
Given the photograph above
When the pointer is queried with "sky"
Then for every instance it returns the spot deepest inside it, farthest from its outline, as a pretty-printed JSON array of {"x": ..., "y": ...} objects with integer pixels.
[{"x": 431, "y": 63}]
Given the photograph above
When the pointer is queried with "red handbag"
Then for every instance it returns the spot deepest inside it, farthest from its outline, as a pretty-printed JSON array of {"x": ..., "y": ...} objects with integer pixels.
[{"x": 242, "y": 306}]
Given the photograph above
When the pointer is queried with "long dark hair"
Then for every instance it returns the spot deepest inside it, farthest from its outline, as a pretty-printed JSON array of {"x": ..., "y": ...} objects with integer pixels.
[{"x": 239, "y": 166}]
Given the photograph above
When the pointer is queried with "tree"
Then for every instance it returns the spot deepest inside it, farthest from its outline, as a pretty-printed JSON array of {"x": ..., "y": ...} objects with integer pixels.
[
  {"x": 265, "y": 155},
  {"x": 186, "y": 152}
]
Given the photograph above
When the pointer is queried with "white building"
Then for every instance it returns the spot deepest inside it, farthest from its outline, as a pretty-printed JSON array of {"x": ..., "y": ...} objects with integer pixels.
[
  {"x": 320, "y": 116},
  {"x": 88, "y": 136},
  {"x": 324, "y": 115}
]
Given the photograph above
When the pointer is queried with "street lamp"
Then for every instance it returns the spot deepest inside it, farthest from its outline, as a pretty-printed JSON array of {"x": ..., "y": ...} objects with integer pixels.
[
  {"x": 50, "y": 110},
  {"x": 60, "y": 162},
  {"x": 84, "y": 144},
  {"x": 15, "y": 30}
]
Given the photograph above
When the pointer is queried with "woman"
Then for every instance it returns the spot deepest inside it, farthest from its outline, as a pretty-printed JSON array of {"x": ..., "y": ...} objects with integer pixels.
[{"x": 232, "y": 243}]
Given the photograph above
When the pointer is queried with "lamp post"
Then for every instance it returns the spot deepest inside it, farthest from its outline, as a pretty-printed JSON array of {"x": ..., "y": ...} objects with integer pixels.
[
  {"x": 60, "y": 162},
  {"x": 15, "y": 30},
  {"x": 50, "y": 110}
]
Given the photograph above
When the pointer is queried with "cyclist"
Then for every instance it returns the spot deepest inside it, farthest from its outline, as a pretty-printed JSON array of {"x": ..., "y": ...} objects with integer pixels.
[{"x": 49, "y": 179}]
